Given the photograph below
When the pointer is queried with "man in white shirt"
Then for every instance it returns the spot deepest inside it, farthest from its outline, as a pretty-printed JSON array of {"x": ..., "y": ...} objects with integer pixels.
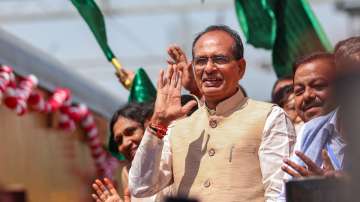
[
  {"x": 319, "y": 148},
  {"x": 230, "y": 149}
]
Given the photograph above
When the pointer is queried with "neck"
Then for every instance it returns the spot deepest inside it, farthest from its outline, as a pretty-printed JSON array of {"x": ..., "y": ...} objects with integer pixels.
[{"x": 211, "y": 103}]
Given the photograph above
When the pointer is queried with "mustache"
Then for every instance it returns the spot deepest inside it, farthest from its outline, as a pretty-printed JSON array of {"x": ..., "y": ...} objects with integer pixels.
[{"x": 316, "y": 102}]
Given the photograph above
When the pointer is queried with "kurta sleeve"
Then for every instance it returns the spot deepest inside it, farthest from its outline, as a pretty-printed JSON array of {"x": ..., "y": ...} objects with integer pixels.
[
  {"x": 277, "y": 143},
  {"x": 151, "y": 169}
]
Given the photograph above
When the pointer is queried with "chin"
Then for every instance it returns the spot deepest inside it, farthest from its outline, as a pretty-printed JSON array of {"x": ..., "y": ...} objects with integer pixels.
[{"x": 213, "y": 90}]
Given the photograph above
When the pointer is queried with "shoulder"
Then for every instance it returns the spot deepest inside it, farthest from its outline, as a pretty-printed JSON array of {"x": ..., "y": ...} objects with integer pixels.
[
  {"x": 277, "y": 119},
  {"x": 260, "y": 103},
  {"x": 264, "y": 107}
]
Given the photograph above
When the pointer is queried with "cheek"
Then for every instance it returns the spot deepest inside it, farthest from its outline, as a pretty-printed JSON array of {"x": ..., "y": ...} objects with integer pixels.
[
  {"x": 198, "y": 74},
  {"x": 137, "y": 136},
  {"x": 298, "y": 101},
  {"x": 324, "y": 95},
  {"x": 230, "y": 75}
]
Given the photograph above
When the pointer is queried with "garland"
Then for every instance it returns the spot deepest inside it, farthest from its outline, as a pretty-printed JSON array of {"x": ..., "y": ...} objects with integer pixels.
[{"x": 19, "y": 95}]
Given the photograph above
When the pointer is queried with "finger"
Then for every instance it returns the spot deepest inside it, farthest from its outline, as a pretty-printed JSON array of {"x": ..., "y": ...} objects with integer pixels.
[
  {"x": 177, "y": 53},
  {"x": 95, "y": 197},
  {"x": 182, "y": 54},
  {"x": 179, "y": 50},
  {"x": 160, "y": 81},
  {"x": 301, "y": 170},
  {"x": 171, "y": 53},
  {"x": 103, "y": 189},
  {"x": 310, "y": 164},
  {"x": 172, "y": 57},
  {"x": 100, "y": 184},
  {"x": 97, "y": 190},
  {"x": 290, "y": 171},
  {"x": 174, "y": 77},
  {"x": 327, "y": 162},
  {"x": 169, "y": 74},
  {"x": 188, "y": 107},
  {"x": 110, "y": 186},
  {"x": 179, "y": 81},
  {"x": 189, "y": 67},
  {"x": 170, "y": 62}
]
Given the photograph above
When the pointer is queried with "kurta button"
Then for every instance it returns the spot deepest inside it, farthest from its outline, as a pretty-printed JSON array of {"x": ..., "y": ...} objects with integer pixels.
[
  {"x": 213, "y": 123},
  {"x": 211, "y": 152},
  {"x": 207, "y": 183}
]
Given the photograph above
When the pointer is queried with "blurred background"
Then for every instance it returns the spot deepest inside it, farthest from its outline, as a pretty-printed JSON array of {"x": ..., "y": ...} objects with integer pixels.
[
  {"x": 48, "y": 38},
  {"x": 140, "y": 31}
]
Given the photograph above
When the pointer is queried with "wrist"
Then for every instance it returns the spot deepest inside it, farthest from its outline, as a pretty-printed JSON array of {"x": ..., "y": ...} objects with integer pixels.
[
  {"x": 157, "y": 120},
  {"x": 158, "y": 130}
]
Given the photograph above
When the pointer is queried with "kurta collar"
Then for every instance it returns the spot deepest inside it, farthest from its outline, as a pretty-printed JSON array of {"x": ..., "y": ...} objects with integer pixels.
[{"x": 229, "y": 105}]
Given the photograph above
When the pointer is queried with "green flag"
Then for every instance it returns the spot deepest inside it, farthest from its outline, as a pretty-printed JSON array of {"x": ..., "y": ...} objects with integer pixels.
[
  {"x": 95, "y": 20},
  {"x": 297, "y": 32},
  {"x": 259, "y": 27},
  {"x": 142, "y": 89}
]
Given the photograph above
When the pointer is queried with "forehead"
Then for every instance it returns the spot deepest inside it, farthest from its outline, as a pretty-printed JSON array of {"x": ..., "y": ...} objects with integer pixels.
[
  {"x": 214, "y": 42},
  {"x": 317, "y": 69},
  {"x": 282, "y": 83},
  {"x": 123, "y": 123}
]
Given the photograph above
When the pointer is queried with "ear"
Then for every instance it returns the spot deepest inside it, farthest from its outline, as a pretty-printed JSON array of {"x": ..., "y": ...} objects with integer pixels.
[{"x": 242, "y": 67}]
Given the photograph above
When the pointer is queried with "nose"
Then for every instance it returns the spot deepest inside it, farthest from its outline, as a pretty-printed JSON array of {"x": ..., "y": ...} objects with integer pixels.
[
  {"x": 309, "y": 94},
  {"x": 210, "y": 67},
  {"x": 126, "y": 142}
]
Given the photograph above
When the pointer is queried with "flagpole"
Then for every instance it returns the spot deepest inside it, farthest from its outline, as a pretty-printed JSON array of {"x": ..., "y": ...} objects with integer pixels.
[
  {"x": 93, "y": 17},
  {"x": 124, "y": 78}
]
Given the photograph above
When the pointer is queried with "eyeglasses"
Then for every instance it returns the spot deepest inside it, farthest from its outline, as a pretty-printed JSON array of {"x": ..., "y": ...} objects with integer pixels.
[{"x": 216, "y": 60}]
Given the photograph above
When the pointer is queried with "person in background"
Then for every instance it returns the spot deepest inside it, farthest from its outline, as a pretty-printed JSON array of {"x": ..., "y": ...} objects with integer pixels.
[
  {"x": 347, "y": 58},
  {"x": 279, "y": 84},
  {"x": 283, "y": 95},
  {"x": 127, "y": 127},
  {"x": 313, "y": 81},
  {"x": 319, "y": 149}
]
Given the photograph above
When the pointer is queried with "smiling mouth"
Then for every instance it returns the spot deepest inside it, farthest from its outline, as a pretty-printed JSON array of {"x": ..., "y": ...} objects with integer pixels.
[
  {"x": 311, "y": 107},
  {"x": 212, "y": 82}
]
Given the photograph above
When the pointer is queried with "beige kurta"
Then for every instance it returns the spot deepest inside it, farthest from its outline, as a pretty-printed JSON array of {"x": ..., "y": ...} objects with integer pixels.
[
  {"x": 233, "y": 153},
  {"x": 217, "y": 155}
]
